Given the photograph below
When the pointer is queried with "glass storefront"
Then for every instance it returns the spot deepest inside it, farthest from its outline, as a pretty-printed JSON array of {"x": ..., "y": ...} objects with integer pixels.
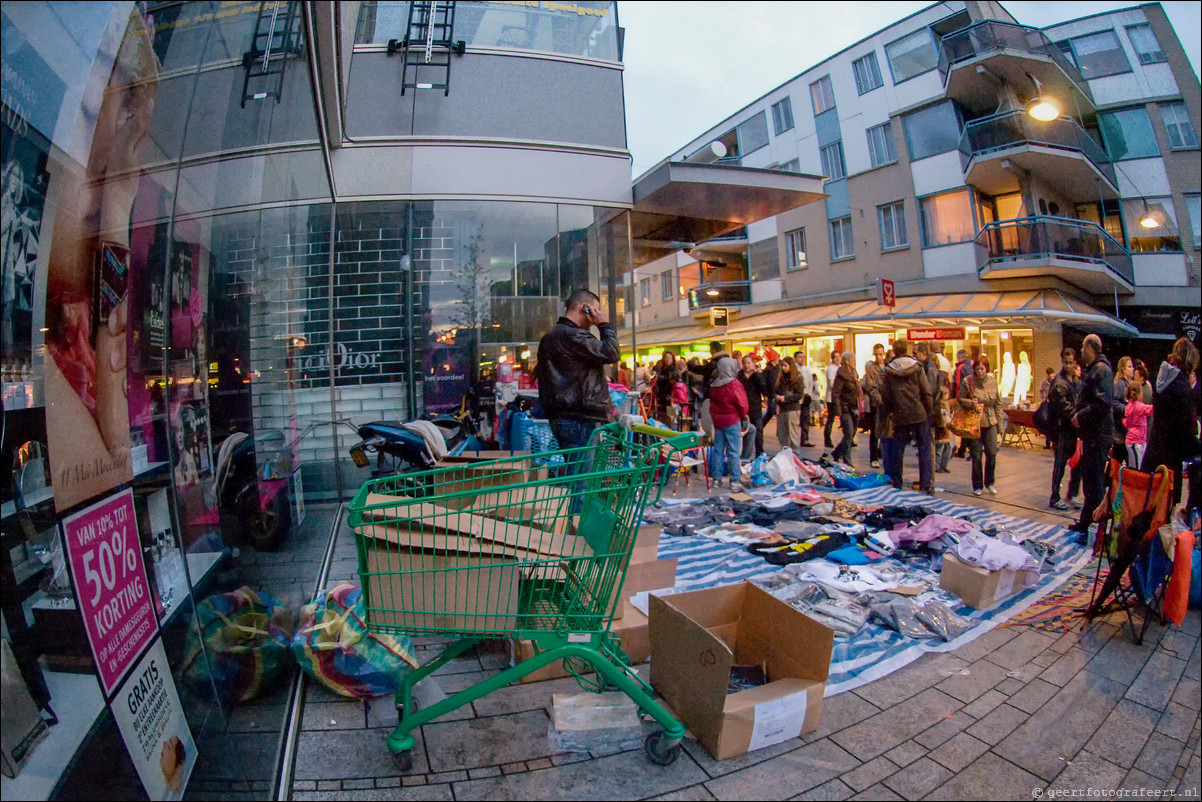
[{"x": 190, "y": 318}]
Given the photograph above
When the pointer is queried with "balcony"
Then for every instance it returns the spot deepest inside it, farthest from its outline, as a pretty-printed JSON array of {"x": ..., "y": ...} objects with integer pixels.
[
  {"x": 1059, "y": 152},
  {"x": 975, "y": 61},
  {"x": 719, "y": 293},
  {"x": 1077, "y": 251}
]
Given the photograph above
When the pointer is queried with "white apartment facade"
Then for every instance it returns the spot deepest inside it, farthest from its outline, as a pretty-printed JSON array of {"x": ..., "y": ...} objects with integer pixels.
[{"x": 1003, "y": 235}]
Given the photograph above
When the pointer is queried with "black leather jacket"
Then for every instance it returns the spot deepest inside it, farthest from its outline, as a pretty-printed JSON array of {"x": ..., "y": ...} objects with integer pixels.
[{"x": 571, "y": 378}]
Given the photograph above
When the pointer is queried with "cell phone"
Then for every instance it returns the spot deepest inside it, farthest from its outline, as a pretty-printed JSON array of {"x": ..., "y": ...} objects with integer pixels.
[
  {"x": 586, "y": 310},
  {"x": 112, "y": 282}
]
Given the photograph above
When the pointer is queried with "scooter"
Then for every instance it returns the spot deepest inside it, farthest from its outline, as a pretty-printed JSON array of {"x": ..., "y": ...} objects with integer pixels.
[
  {"x": 416, "y": 445},
  {"x": 253, "y": 474}
]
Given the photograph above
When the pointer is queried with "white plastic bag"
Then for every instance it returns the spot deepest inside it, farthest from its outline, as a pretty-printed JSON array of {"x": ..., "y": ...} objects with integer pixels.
[{"x": 782, "y": 468}]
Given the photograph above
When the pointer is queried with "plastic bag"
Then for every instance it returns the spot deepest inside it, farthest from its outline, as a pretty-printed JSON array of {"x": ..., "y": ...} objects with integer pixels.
[
  {"x": 245, "y": 634},
  {"x": 333, "y": 645},
  {"x": 782, "y": 469},
  {"x": 759, "y": 471}
]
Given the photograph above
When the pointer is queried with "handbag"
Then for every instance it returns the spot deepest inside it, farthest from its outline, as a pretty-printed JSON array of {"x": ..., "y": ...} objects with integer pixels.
[{"x": 966, "y": 423}]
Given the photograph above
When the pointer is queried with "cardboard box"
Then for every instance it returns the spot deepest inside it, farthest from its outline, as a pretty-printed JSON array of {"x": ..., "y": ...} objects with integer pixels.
[
  {"x": 980, "y": 587},
  {"x": 642, "y": 576},
  {"x": 696, "y": 638},
  {"x": 630, "y": 629},
  {"x": 646, "y": 543}
]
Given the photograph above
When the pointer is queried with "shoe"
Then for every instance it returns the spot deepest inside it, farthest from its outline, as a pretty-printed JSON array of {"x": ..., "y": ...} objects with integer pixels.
[
  {"x": 1072, "y": 502},
  {"x": 847, "y": 462},
  {"x": 1082, "y": 539},
  {"x": 828, "y": 444},
  {"x": 736, "y": 487},
  {"x": 1077, "y": 527},
  {"x": 876, "y": 463},
  {"x": 1058, "y": 504},
  {"x": 977, "y": 491},
  {"x": 992, "y": 490}
]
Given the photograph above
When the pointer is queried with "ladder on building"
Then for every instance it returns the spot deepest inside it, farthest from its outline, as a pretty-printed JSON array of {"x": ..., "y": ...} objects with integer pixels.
[
  {"x": 428, "y": 46},
  {"x": 277, "y": 39}
]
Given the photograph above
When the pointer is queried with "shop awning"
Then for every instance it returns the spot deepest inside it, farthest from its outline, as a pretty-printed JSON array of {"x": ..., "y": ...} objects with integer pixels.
[
  {"x": 675, "y": 335},
  {"x": 1036, "y": 309},
  {"x": 677, "y": 204}
]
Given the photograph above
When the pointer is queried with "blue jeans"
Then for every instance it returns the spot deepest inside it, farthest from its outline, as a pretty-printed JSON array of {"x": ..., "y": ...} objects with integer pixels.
[
  {"x": 724, "y": 455},
  {"x": 574, "y": 433},
  {"x": 943, "y": 455},
  {"x": 893, "y": 451}
]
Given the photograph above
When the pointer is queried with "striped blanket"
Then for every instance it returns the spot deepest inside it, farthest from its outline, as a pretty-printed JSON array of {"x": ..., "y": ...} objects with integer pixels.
[{"x": 875, "y": 651}]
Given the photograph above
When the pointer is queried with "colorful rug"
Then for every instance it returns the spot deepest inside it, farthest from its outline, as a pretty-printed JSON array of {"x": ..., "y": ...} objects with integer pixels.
[{"x": 1058, "y": 612}]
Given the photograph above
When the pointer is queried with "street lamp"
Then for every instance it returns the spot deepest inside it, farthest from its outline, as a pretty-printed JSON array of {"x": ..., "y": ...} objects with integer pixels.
[{"x": 1042, "y": 107}]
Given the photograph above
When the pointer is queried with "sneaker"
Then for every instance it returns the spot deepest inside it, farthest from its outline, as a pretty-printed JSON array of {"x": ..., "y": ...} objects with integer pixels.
[
  {"x": 1059, "y": 504},
  {"x": 992, "y": 490},
  {"x": 977, "y": 491},
  {"x": 1072, "y": 502},
  {"x": 736, "y": 487},
  {"x": 876, "y": 463}
]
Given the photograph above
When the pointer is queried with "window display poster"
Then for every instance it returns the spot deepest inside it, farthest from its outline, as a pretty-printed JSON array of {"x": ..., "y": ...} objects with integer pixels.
[
  {"x": 152, "y": 724},
  {"x": 110, "y": 584}
]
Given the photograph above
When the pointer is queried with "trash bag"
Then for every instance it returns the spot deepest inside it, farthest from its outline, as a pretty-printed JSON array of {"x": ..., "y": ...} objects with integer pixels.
[
  {"x": 334, "y": 646},
  {"x": 759, "y": 471},
  {"x": 246, "y": 635},
  {"x": 781, "y": 468}
]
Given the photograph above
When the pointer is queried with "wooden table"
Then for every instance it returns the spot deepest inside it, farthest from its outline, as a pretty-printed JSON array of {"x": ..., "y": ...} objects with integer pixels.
[{"x": 1018, "y": 431}]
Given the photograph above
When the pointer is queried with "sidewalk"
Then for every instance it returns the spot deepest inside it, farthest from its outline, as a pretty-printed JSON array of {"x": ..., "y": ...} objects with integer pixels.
[{"x": 1017, "y": 711}]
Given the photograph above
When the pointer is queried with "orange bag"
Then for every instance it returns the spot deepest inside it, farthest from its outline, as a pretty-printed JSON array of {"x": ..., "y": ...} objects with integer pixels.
[{"x": 1176, "y": 597}]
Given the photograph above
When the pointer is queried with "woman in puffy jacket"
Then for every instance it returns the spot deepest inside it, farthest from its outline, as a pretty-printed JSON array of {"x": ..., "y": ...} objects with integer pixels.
[{"x": 980, "y": 393}]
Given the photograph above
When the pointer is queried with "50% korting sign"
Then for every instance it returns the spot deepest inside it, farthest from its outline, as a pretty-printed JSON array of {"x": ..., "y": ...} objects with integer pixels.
[{"x": 111, "y": 587}]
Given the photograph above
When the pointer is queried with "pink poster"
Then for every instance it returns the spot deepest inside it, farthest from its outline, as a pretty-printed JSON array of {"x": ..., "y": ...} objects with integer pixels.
[{"x": 110, "y": 584}]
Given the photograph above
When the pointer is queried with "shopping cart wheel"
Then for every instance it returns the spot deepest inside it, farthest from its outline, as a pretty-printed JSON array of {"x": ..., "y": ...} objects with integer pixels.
[
  {"x": 403, "y": 760},
  {"x": 656, "y": 753}
]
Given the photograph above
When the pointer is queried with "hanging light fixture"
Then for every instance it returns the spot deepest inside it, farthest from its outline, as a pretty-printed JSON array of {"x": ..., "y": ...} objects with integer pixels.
[
  {"x": 1147, "y": 220},
  {"x": 1042, "y": 107},
  {"x": 712, "y": 292}
]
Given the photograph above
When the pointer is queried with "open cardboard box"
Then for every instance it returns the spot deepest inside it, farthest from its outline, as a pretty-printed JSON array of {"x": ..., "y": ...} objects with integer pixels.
[
  {"x": 979, "y": 587},
  {"x": 698, "y": 636}
]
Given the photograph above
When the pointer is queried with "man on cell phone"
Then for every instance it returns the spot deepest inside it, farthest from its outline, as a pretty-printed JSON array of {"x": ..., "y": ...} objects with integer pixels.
[{"x": 572, "y": 386}]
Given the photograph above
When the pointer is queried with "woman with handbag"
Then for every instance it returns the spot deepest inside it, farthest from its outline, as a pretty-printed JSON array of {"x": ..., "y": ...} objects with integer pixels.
[
  {"x": 788, "y": 400},
  {"x": 981, "y": 409}
]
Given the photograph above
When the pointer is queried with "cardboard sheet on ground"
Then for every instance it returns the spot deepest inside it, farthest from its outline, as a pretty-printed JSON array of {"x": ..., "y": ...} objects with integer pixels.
[{"x": 876, "y": 652}]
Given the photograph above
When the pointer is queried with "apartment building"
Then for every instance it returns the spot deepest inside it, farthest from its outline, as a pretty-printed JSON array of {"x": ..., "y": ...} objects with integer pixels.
[{"x": 1020, "y": 187}]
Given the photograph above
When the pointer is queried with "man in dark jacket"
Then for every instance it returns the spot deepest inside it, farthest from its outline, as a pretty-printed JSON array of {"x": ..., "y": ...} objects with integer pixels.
[
  {"x": 872, "y": 394},
  {"x": 572, "y": 386},
  {"x": 1094, "y": 423},
  {"x": 846, "y": 399},
  {"x": 771, "y": 374},
  {"x": 908, "y": 411},
  {"x": 708, "y": 372},
  {"x": 1062, "y": 402},
  {"x": 1172, "y": 438},
  {"x": 755, "y": 388}
]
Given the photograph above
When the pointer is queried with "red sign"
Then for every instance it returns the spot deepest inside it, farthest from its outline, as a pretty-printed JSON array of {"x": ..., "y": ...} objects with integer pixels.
[
  {"x": 934, "y": 334},
  {"x": 110, "y": 585},
  {"x": 885, "y": 295}
]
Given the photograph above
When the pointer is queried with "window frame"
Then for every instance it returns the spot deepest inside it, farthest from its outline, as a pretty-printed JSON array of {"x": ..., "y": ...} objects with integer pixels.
[
  {"x": 791, "y": 251},
  {"x": 830, "y": 90},
  {"x": 876, "y": 68},
  {"x": 822, "y": 156},
  {"x": 1193, "y": 213},
  {"x": 930, "y": 110},
  {"x": 972, "y": 216},
  {"x": 898, "y": 218},
  {"x": 791, "y": 166},
  {"x": 644, "y": 292},
  {"x": 1178, "y": 106},
  {"x": 934, "y": 44},
  {"x": 785, "y": 105},
  {"x": 1151, "y": 131},
  {"x": 1118, "y": 46},
  {"x": 889, "y": 142},
  {"x": 1135, "y": 47},
  {"x": 850, "y": 238},
  {"x": 667, "y": 284}
]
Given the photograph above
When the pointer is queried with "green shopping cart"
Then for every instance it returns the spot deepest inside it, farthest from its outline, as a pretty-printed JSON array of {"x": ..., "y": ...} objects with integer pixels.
[{"x": 532, "y": 547}]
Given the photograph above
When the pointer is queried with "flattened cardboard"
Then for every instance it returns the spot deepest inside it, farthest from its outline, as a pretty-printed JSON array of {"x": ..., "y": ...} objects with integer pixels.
[
  {"x": 696, "y": 638},
  {"x": 630, "y": 629},
  {"x": 646, "y": 576},
  {"x": 646, "y": 543},
  {"x": 979, "y": 587}
]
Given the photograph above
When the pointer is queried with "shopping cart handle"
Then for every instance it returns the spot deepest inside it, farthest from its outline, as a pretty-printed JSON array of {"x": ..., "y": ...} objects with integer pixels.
[{"x": 678, "y": 440}]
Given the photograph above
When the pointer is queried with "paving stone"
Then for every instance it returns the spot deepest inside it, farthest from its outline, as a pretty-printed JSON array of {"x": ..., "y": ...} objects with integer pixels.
[
  {"x": 1178, "y": 643},
  {"x": 694, "y": 793},
  {"x": 422, "y": 792},
  {"x": 1191, "y": 782},
  {"x": 717, "y": 768},
  {"x": 882, "y": 792},
  {"x": 1088, "y": 770},
  {"x": 945, "y": 729},
  {"x": 329, "y": 785},
  {"x": 1188, "y": 693},
  {"x": 1137, "y": 780},
  {"x": 973, "y": 680},
  {"x": 539, "y": 763},
  {"x": 1177, "y": 721},
  {"x": 989, "y": 642},
  {"x": 623, "y": 776},
  {"x": 988, "y": 777},
  {"x": 1065, "y": 642},
  {"x": 519, "y": 698},
  {"x": 904, "y": 683},
  {"x": 448, "y": 777},
  {"x": 1120, "y": 660},
  {"x": 1157, "y": 680},
  {"x": 257, "y": 718},
  {"x": 1019, "y": 651},
  {"x": 1009, "y": 686},
  {"x": 1160, "y": 756},
  {"x": 998, "y": 724},
  {"x": 514, "y": 768},
  {"x": 1123, "y": 734},
  {"x": 834, "y": 790},
  {"x": 789, "y": 774},
  {"x": 487, "y": 771},
  {"x": 1033, "y": 695},
  {"x": 887, "y": 729},
  {"x": 304, "y": 785},
  {"x": 391, "y": 782},
  {"x": 960, "y": 751},
  {"x": 410, "y": 781},
  {"x": 870, "y": 773},
  {"x": 906, "y": 753},
  {"x": 1066, "y": 667},
  {"x": 918, "y": 779},
  {"x": 359, "y": 785},
  {"x": 986, "y": 704},
  {"x": 840, "y": 712},
  {"x": 1094, "y": 637},
  {"x": 1062, "y": 726},
  {"x": 1046, "y": 659},
  {"x": 487, "y": 741},
  {"x": 350, "y": 754}
]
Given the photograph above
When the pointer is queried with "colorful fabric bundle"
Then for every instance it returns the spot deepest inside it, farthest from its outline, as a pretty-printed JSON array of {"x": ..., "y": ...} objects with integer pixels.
[
  {"x": 245, "y": 635},
  {"x": 333, "y": 645}
]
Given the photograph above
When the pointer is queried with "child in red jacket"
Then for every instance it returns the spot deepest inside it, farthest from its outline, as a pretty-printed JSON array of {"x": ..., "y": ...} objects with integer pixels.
[{"x": 728, "y": 408}]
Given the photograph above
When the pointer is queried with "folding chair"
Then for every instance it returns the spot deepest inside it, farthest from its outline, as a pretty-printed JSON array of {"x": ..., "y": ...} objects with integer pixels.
[
  {"x": 1137, "y": 505},
  {"x": 684, "y": 463}
]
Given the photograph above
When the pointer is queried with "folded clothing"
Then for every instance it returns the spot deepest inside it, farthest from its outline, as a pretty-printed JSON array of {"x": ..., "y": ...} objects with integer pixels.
[
  {"x": 995, "y": 554},
  {"x": 932, "y": 527}
]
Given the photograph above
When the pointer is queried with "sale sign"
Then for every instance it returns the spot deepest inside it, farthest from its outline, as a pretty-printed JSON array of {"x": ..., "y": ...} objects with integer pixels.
[{"x": 110, "y": 584}]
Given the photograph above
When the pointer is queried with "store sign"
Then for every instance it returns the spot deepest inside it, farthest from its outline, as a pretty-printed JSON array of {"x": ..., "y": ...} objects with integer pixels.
[
  {"x": 110, "y": 585},
  {"x": 719, "y": 317},
  {"x": 886, "y": 294},
  {"x": 152, "y": 724},
  {"x": 927, "y": 335}
]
